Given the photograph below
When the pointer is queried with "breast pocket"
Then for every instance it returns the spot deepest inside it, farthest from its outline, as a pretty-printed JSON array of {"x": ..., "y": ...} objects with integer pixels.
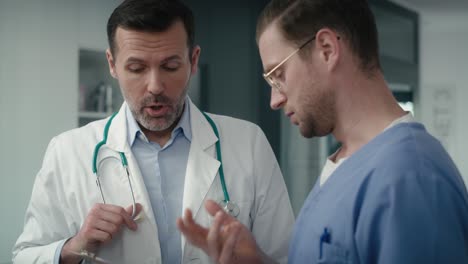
[{"x": 333, "y": 254}]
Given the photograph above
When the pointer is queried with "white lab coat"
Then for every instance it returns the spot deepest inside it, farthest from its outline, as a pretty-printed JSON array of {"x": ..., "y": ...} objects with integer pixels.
[{"x": 65, "y": 190}]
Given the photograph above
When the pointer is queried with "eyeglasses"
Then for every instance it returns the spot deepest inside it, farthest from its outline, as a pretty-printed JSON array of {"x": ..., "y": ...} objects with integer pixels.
[{"x": 271, "y": 80}]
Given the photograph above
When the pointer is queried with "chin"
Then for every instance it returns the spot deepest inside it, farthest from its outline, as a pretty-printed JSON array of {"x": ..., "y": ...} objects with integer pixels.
[
  {"x": 310, "y": 132},
  {"x": 307, "y": 133}
]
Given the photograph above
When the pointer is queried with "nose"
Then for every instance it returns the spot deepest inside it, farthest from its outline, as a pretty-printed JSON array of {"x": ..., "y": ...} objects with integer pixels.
[
  {"x": 277, "y": 99},
  {"x": 155, "y": 82}
]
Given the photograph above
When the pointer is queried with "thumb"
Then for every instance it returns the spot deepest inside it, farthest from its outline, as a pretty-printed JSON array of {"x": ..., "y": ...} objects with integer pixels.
[{"x": 138, "y": 208}]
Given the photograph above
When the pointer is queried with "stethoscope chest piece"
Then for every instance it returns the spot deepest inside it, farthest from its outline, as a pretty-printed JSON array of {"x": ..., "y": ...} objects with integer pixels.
[{"x": 229, "y": 207}]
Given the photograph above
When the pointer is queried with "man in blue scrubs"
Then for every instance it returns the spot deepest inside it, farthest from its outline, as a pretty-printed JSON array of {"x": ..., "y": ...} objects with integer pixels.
[{"x": 391, "y": 193}]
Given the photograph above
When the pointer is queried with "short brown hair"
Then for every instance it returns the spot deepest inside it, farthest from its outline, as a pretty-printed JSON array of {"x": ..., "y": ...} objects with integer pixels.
[
  {"x": 150, "y": 16},
  {"x": 299, "y": 20}
]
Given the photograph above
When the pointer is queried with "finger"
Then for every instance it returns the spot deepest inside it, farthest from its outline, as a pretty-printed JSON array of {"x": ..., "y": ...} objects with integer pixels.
[
  {"x": 188, "y": 218},
  {"x": 98, "y": 235},
  {"x": 213, "y": 208},
  {"x": 228, "y": 247},
  {"x": 101, "y": 212},
  {"x": 213, "y": 239},
  {"x": 106, "y": 226},
  {"x": 111, "y": 217},
  {"x": 191, "y": 224},
  {"x": 192, "y": 236},
  {"x": 138, "y": 209},
  {"x": 118, "y": 215},
  {"x": 194, "y": 232}
]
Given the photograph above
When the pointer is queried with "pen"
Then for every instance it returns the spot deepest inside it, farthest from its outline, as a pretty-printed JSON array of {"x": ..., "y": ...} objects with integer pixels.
[{"x": 324, "y": 238}]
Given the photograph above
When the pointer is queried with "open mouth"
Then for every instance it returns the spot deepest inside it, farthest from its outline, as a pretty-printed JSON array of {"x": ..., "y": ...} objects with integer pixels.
[
  {"x": 157, "y": 110},
  {"x": 156, "y": 107}
]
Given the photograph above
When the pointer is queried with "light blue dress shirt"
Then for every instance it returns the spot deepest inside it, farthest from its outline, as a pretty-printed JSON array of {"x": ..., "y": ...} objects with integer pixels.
[{"x": 163, "y": 170}]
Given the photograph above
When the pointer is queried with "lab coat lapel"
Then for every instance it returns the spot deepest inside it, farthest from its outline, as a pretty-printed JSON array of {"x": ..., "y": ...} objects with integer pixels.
[
  {"x": 117, "y": 141},
  {"x": 117, "y": 137},
  {"x": 202, "y": 165}
]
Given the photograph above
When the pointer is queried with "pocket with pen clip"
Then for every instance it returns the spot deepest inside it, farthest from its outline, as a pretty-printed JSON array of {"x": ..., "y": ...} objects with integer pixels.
[{"x": 329, "y": 252}]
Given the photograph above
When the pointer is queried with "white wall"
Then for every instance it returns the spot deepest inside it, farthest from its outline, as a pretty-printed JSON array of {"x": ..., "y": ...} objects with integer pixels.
[
  {"x": 443, "y": 96},
  {"x": 38, "y": 90},
  {"x": 444, "y": 80}
]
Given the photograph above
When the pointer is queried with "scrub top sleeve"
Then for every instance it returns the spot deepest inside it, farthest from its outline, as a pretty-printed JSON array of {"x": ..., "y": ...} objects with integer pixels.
[{"x": 418, "y": 218}]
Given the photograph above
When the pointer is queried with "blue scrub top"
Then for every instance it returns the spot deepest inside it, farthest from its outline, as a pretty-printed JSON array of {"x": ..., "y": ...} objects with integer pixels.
[{"x": 399, "y": 199}]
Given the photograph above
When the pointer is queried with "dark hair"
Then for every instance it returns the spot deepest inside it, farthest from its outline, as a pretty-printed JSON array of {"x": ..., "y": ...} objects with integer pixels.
[
  {"x": 150, "y": 16},
  {"x": 353, "y": 20}
]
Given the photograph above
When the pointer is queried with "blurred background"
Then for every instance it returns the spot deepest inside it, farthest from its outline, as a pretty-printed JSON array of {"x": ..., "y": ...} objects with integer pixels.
[{"x": 54, "y": 77}]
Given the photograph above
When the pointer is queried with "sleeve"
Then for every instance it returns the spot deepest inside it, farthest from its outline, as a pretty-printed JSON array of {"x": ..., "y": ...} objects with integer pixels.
[
  {"x": 45, "y": 225},
  {"x": 419, "y": 218},
  {"x": 58, "y": 251},
  {"x": 273, "y": 217}
]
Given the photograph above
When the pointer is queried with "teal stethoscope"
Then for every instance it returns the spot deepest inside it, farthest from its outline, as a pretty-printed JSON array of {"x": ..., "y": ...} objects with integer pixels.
[{"x": 225, "y": 203}]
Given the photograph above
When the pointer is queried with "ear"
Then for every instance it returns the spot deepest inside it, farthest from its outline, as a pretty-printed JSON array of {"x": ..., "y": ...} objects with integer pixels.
[
  {"x": 110, "y": 61},
  {"x": 329, "y": 45},
  {"x": 194, "y": 60}
]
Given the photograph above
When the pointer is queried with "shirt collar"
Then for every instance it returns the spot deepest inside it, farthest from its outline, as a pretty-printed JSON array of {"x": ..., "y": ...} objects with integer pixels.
[
  {"x": 183, "y": 126},
  {"x": 407, "y": 118}
]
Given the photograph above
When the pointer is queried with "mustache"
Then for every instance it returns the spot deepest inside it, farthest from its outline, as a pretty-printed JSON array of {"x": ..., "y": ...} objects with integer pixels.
[{"x": 156, "y": 99}]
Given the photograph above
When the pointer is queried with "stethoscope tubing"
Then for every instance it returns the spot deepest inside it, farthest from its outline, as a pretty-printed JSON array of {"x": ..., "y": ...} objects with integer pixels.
[
  {"x": 220, "y": 159},
  {"x": 122, "y": 158},
  {"x": 228, "y": 205}
]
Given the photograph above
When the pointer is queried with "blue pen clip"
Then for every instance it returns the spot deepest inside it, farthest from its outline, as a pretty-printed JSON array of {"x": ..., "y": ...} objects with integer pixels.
[{"x": 324, "y": 238}]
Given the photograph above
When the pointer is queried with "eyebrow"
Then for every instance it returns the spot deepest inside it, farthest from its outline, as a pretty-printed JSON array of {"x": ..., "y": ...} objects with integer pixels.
[
  {"x": 275, "y": 66},
  {"x": 269, "y": 67},
  {"x": 133, "y": 60},
  {"x": 170, "y": 58},
  {"x": 165, "y": 60}
]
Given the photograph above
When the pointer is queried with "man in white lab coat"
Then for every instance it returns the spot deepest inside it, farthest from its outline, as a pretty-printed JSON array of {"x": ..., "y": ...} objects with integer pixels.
[{"x": 170, "y": 148}]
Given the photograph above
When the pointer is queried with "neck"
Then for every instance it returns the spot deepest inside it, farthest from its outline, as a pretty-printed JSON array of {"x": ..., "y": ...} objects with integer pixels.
[{"x": 365, "y": 107}]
